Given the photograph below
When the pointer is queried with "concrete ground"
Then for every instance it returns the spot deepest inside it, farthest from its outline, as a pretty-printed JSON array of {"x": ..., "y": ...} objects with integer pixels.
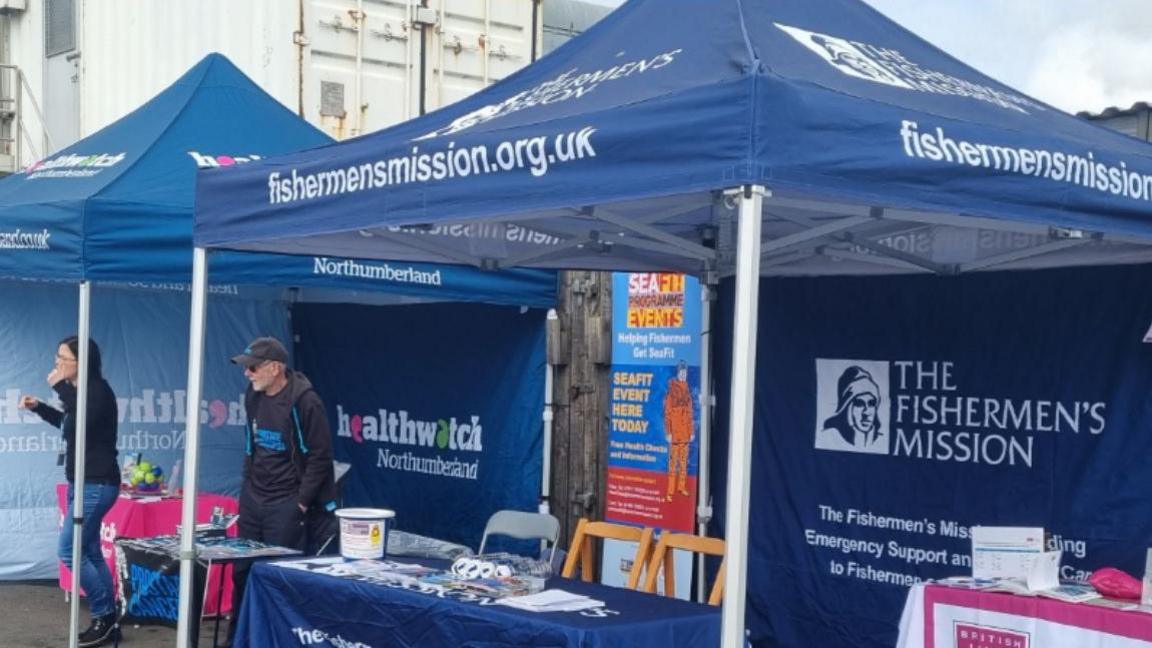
[{"x": 34, "y": 614}]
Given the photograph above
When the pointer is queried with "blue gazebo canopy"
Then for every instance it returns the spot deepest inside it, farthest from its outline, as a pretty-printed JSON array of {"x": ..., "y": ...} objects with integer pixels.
[
  {"x": 117, "y": 205},
  {"x": 832, "y": 139},
  {"x": 882, "y": 153}
]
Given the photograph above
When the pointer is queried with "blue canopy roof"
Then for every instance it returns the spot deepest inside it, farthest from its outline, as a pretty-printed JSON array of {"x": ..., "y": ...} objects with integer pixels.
[
  {"x": 117, "y": 205},
  {"x": 881, "y": 152},
  {"x": 637, "y": 145}
]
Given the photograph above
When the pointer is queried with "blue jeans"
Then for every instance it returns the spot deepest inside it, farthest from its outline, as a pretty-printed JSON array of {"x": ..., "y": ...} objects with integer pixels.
[{"x": 95, "y": 577}]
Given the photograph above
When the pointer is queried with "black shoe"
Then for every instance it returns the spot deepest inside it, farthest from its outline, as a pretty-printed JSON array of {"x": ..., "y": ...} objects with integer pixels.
[{"x": 103, "y": 630}]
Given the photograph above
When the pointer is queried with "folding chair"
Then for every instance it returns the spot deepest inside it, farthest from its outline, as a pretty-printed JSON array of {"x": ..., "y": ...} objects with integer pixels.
[
  {"x": 581, "y": 552},
  {"x": 523, "y": 526},
  {"x": 662, "y": 556}
]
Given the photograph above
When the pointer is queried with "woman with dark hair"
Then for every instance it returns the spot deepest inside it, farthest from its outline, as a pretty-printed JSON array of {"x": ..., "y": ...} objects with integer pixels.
[{"x": 101, "y": 477}]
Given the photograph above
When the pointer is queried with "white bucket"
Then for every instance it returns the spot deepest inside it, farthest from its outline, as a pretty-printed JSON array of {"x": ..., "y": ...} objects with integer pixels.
[{"x": 364, "y": 532}]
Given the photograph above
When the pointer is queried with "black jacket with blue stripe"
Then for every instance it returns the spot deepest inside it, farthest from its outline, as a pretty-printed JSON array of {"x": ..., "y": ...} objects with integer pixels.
[{"x": 288, "y": 446}]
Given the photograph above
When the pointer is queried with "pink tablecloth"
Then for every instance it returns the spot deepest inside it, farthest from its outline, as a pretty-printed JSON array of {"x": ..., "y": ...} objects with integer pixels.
[
  {"x": 944, "y": 617},
  {"x": 145, "y": 517}
]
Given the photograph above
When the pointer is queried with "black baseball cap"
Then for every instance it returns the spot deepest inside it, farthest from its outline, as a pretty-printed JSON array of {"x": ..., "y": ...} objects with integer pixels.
[{"x": 261, "y": 350}]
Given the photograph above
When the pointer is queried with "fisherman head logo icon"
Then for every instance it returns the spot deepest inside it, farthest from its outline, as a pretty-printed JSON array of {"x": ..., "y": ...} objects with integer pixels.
[
  {"x": 479, "y": 116},
  {"x": 845, "y": 56},
  {"x": 858, "y": 398},
  {"x": 848, "y": 58},
  {"x": 852, "y": 407}
]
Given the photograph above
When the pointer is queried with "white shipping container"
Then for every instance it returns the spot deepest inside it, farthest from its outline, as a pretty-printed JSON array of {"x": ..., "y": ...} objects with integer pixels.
[
  {"x": 402, "y": 59},
  {"x": 348, "y": 66}
]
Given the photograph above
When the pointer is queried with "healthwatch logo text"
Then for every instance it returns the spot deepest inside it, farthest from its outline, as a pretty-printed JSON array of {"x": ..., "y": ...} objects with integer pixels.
[
  {"x": 73, "y": 166},
  {"x": 407, "y": 444},
  {"x": 209, "y": 161},
  {"x": 396, "y": 427}
]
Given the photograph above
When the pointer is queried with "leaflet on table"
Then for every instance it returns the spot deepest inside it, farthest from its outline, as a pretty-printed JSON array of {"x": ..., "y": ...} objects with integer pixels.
[
  {"x": 370, "y": 569},
  {"x": 222, "y": 519},
  {"x": 216, "y": 526},
  {"x": 1070, "y": 592},
  {"x": 968, "y": 582},
  {"x": 1044, "y": 572},
  {"x": 310, "y": 564},
  {"x": 143, "y": 499},
  {"x": 385, "y": 571},
  {"x": 224, "y": 548},
  {"x": 497, "y": 588},
  {"x": 213, "y": 548},
  {"x": 553, "y": 600},
  {"x": 1005, "y": 552}
]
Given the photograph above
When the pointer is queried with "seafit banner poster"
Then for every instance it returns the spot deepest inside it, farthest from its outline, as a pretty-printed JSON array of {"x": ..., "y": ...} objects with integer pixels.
[
  {"x": 894, "y": 414},
  {"x": 654, "y": 413}
]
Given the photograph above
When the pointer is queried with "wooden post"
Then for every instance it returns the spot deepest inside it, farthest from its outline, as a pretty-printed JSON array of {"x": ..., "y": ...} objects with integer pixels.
[{"x": 580, "y": 430}]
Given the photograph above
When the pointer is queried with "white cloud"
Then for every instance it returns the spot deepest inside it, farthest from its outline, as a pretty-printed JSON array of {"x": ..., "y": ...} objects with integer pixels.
[
  {"x": 1074, "y": 54},
  {"x": 1094, "y": 61}
]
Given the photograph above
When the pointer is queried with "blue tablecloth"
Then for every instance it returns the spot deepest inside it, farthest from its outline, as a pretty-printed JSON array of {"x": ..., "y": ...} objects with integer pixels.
[{"x": 292, "y": 607}]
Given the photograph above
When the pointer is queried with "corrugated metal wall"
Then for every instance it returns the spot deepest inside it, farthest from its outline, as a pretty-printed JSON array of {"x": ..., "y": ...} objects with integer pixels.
[
  {"x": 306, "y": 53},
  {"x": 464, "y": 46},
  {"x": 349, "y": 66},
  {"x": 566, "y": 19},
  {"x": 132, "y": 49},
  {"x": 1136, "y": 122}
]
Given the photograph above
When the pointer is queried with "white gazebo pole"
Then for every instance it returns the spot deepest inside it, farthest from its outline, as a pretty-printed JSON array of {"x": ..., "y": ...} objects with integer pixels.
[
  {"x": 741, "y": 411},
  {"x": 79, "y": 452},
  {"x": 545, "y": 505},
  {"x": 549, "y": 415},
  {"x": 703, "y": 494},
  {"x": 184, "y": 623}
]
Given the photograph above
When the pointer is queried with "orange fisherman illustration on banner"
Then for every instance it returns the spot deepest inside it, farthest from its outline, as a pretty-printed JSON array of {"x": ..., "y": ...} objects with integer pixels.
[
  {"x": 679, "y": 430},
  {"x": 653, "y": 451}
]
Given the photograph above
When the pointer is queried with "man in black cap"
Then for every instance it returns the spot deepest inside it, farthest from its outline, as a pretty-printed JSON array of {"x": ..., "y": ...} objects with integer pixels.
[{"x": 288, "y": 492}]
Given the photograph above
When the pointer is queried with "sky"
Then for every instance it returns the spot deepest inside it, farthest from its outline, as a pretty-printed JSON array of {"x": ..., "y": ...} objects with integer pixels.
[{"x": 1077, "y": 55}]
